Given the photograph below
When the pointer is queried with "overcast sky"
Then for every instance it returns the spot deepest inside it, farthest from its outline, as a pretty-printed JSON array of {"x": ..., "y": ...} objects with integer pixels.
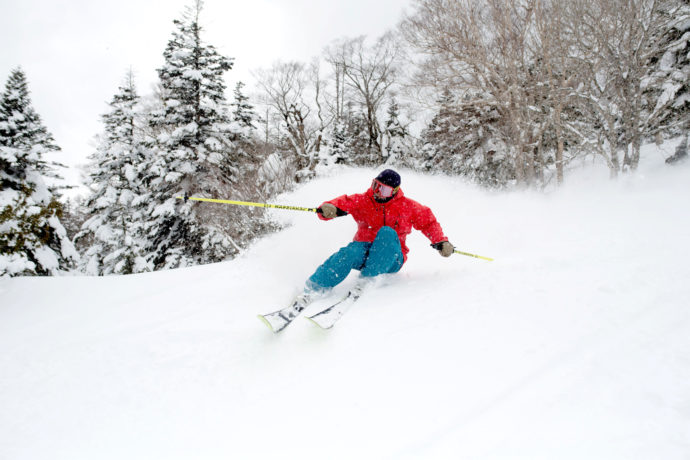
[{"x": 75, "y": 53}]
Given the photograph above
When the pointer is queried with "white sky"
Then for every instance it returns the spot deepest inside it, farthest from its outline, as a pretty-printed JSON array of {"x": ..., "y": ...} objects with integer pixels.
[{"x": 75, "y": 53}]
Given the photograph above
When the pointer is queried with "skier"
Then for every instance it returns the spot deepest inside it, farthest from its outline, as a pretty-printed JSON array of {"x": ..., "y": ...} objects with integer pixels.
[{"x": 384, "y": 216}]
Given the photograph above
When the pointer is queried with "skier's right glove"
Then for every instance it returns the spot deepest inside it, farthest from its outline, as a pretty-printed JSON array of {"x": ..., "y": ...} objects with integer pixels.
[{"x": 328, "y": 211}]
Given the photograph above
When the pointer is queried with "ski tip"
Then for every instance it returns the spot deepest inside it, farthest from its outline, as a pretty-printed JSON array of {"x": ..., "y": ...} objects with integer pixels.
[
  {"x": 313, "y": 321},
  {"x": 265, "y": 321}
]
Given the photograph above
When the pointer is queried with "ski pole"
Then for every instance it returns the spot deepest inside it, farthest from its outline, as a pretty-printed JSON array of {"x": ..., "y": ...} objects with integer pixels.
[
  {"x": 247, "y": 203},
  {"x": 472, "y": 255}
]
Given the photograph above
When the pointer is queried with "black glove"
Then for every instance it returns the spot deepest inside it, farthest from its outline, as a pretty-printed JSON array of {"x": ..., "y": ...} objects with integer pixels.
[{"x": 444, "y": 248}]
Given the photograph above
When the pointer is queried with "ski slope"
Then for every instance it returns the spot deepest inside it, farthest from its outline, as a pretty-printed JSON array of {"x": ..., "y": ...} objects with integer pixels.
[{"x": 574, "y": 343}]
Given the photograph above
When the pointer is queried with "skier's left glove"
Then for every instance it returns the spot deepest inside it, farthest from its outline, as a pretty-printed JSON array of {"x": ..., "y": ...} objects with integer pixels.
[{"x": 444, "y": 248}]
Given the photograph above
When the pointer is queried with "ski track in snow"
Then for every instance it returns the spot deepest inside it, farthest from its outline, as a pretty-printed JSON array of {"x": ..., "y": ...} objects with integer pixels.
[{"x": 574, "y": 343}]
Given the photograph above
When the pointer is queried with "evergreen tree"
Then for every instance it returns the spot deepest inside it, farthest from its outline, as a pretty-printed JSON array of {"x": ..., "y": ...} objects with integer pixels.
[
  {"x": 462, "y": 140},
  {"x": 193, "y": 153},
  {"x": 245, "y": 140},
  {"x": 242, "y": 111},
  {"x": 359, "y": 151},
  {"x": 396, "y": 136},
  {"x": 439, "y": 137},
  {"x": 116, "y": 206},
  {"x": 33, "y": 241},
  {"x": 339, "y": 144},
  {"x": 336, "y": 145}
]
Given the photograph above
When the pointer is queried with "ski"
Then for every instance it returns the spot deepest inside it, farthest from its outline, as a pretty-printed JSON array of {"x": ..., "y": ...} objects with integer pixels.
[
  {"x": 327, "y": 318},
  {"x": 280, "y": 319}
]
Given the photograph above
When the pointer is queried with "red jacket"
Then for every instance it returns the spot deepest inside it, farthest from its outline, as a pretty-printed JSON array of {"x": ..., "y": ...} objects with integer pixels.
[{"x": 400, "y": 213}]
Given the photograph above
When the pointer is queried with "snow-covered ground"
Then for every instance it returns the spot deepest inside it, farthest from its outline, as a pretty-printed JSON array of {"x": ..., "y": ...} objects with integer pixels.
[{"x": 573, "y": 344}]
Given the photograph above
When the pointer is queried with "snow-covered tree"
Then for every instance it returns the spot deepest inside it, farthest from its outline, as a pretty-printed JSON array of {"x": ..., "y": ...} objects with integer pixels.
[
  {"x": 667, "y": 86},
  {"x": 437, "y": 138},
  {"x": 614, "y": 45},
  {"x": 193, "y": 152},
  {"x": 462, "y": 139},
  {"x": 395, "y": 136},
  {"x": 116, "y": 205},
  {"x": 369, "y": 73},
  {"x": 595, "y": 76},
  {"x": 242, "y": 111},
  {"x": 287, "y": 87},
  {"x": 358, "y": 151},
  {"x": 338, "y": 144},
  {"x": 33, "y": 241},
  {"x": 483, "y": 49}
]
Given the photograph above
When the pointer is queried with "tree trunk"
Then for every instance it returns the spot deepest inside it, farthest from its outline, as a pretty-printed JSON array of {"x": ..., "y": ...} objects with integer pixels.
[{"x": 559, "y": 142}]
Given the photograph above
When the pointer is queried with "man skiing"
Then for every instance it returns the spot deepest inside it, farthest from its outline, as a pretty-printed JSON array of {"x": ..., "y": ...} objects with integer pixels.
[{"x": 384, "y": 217}]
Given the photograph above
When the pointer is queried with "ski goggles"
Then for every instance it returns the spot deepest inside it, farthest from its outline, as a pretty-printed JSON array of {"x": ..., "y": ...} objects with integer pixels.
[{"x": 383, "y": 190}]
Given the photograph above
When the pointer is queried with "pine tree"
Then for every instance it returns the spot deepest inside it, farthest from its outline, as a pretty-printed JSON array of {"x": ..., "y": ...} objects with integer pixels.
[
  {"x": 339, "y": 144},
  {"x": 461, "y": 140},
  {"x": 242, "y": 111},
  {"x": 244, "y": 135},
  {"x": 356, "y": 132},
  {"x": 396, "y": 135},
  {"x": 193, "y": 154},
  {"x": 439, "y": 136},
  {"x": 33, "y": 241},
  {"x": 115, "y": 207}
]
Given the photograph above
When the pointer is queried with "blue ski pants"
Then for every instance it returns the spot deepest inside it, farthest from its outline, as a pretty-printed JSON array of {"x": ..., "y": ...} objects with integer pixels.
[{"x": 383, "y": 255}]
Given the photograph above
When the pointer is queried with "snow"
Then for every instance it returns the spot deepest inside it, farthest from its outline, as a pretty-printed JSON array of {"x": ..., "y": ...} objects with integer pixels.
[
  {"x": 192, "y": 74},
  {"x": 167, "y": 208},
  {"x": 47, "y": 258},
  {"x": 130, "y": 173},
  {"x": 40, "y": 194},
  {"x": 8, "y": 197},
  {"x": 574, "y": 343},
  {"x": 681, "y": 101},
  {"x": 15, "y": 263}
]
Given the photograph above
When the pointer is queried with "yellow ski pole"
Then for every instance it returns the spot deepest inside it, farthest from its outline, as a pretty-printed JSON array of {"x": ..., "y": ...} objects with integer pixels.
[
  {"x": 472, "y": 255},
  {"x": 247, "y": 203}
]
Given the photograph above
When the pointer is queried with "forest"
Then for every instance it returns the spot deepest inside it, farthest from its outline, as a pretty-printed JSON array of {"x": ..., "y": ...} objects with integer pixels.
[{"x": 506, "y": 94}]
